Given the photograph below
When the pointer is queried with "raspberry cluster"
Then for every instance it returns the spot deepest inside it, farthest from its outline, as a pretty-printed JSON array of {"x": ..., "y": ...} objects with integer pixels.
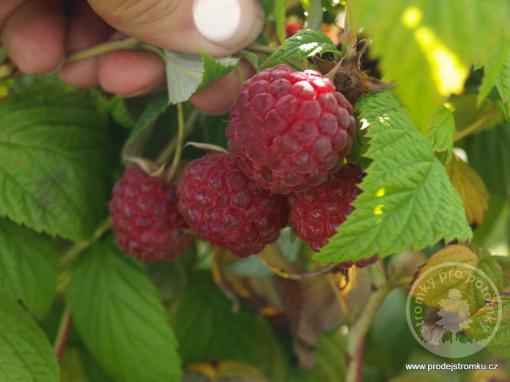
[{"x": 289, "y": 134}]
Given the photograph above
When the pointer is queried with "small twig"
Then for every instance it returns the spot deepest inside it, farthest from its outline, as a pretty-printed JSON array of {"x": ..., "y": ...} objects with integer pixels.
[
  {"x": 179, "y": 143},
  {"x": 359, "y": 330},
  {"x": 72, "y": 253},
  {"x": 259, "y": 48},
  {"x": 64, "y": 328},
  {"x": 476, "y": 125},
  {"x": 172, "y": 145},
  {"x": 289, "y": 275}
]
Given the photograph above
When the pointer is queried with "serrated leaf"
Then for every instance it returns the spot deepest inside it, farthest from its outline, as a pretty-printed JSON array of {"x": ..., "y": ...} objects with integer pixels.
[
  {"x": 55, "y": 155},
  {"x": 489, "y": 156},
  {"x": 493, "y": 71},
  {"x": 503, "y": 82},
  {"x": 26, "y": 354},
  {"x": 120, "y": 317},
  {"x": 295, "y": 51},
  {"x": 427, "y": 48},
  {"x": 28, "y": 267},
  {"x": 407, "y": 199},
  {"x": 483, "y": 322},
  {"x": 442, "y": 129},
  {"x": 144, "y": 125},
  {"x": 458, "y": 268},
  {"x": 471, "y": 188},
  {"x": 187, "y": 73},
  {"x": 431, "y": 285},
  {"x": 208, "y": 330}
]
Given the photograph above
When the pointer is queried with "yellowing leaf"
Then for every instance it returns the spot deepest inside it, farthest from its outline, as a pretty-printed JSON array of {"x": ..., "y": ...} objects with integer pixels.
[
  {"x": 471, "y": 189},
  {"x": 433, "y": 282}
]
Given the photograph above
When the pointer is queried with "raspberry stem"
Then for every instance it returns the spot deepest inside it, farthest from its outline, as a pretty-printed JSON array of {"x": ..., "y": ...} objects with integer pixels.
[
  {"x": 359, "y": 330},
  {"x": 172, "y": 145},
  {"x": 179, "y": 143},
  {"x": 62, "y": 334}
]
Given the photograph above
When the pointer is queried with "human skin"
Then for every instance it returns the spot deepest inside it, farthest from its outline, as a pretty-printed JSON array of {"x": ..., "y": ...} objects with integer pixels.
[{"x": 38, "y": 34}]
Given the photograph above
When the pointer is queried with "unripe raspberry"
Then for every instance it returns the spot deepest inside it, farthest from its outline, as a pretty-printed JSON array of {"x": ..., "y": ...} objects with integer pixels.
[
  {"x": 145, "y": 217},
  {"x": 290, "y": 129},
  {"x": 226, "y": 208},
  {"x": 316, "y": 213}
]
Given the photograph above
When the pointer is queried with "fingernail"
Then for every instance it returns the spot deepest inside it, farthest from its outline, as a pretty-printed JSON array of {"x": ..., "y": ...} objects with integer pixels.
[{"x": 217, "y": 20}]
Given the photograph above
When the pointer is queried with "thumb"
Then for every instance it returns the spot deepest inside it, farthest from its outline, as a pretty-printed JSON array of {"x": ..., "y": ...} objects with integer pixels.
[{"x": 220, "y": 27}]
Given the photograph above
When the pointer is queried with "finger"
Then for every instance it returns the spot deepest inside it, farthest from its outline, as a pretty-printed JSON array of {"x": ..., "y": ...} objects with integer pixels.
[
  {"x": 219, "y": 27},
  {"x": 85, "y": 30},
  {"x": 219, "y": 95},
  {"x": 7, "y": 8},
  {"x": 34, "y": 34},
  {"x": 130, "y": 73}
]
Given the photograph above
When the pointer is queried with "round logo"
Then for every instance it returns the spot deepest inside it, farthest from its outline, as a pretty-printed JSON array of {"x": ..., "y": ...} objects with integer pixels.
[{"x": 441, "y": 305}]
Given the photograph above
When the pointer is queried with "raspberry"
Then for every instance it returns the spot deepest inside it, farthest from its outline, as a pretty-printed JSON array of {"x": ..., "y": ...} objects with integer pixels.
[
  {"x": 226, "y": 208},
  {"x": 292, "y": 28},
  {"x": 145, "y": 217},
  {"x": 316, "y": 213},
  {"x": 289, "y": 129}
]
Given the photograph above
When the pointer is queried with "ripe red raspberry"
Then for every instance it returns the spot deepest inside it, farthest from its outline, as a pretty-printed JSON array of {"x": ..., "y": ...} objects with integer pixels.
[
  {"x": 289, "y": 129},
  {"x": 292, "y": 28},
  {"x": 316, "y": 213},
  {"x": 226, "y": 208},
  {"x": 145, "y": 217}
]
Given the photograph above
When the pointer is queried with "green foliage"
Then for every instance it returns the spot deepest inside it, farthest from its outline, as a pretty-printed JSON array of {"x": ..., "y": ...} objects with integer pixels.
[
  {"x": 294, "y": 52},
  {"x": 55, "y": 160},
  {"x": 279, "y": 16},
  {"x": 28, "y": 267},
  {"x": 503, "y": 81},
  {"x": 208, "y": 330},
  {"x": 483, "y": 321},
  {"x": 428, "y": 47},
  {"x": 407, "y": 200},
  {"x": 120, "y": 317},
  {"x": 27, "y": 355},
  {"x": 187, "y": 73},
  {"x": 489, "y": 155},
  {"x": 442, "y": 129}
]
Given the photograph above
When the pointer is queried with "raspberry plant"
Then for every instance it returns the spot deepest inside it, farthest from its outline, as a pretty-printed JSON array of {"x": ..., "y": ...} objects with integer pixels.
[{"x": 357, "y": 159}]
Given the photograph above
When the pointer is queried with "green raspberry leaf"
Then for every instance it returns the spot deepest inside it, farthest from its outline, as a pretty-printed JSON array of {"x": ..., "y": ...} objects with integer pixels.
[
  {"x": 483, "y": 322},
  {"x": 427, "y": 47},
  {"x": 489, "y": 156},
  {"x": 407, "y": 199},
  {"x": 55, "y": 161},
  {"x": 295, "y": 51},
  {"x": 28, "y": 267},
  {"x": 442, "y": 130},
  {"x": 503, "y": 82},
  {"x": 208, "y": 330},
  {"x": 188, "y": 73},
  {"x": 120, "y": 317},
  {"x": 26, "y": 352}
]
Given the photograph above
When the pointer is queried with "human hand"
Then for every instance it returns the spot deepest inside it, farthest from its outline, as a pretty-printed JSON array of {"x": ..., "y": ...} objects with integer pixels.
[{"x": 37, "y": 35}]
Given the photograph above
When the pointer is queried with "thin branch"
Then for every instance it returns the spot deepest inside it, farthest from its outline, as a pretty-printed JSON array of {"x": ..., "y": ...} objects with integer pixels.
[
  {"x": 477, "y": 125},
  {"x": 64, "y": 328},
  {"x": 259, "y": 48},
  {"x": 179, "y": 143},
  {"x": 172, "y": 145},
  {"x": 359, "y": 330},
  {"x": 128, "y": 43}
]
